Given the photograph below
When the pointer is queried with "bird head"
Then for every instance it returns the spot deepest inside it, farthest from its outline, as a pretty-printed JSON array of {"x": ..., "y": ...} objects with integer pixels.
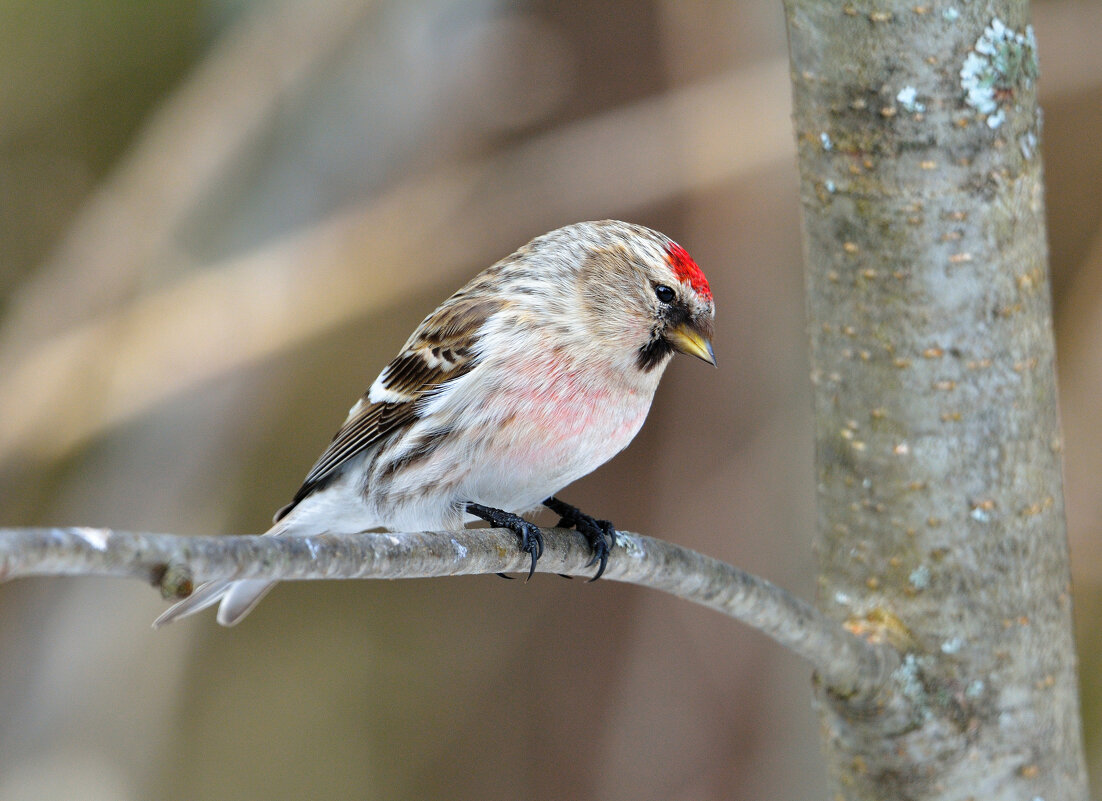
[
  {"x": 683, "y": 310},
  {"x": 642, "y": 295}
]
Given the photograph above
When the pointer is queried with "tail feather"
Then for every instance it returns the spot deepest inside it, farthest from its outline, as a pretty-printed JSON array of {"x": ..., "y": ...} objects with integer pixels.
[
  {"x": 205, "y": 595},
  {"x": 338, "y": 510},
  {"x": 240, "y": 598}
]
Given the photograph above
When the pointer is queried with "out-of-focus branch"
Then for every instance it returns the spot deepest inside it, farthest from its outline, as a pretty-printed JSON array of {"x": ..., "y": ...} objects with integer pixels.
[
  {"x": 845, "y": 663},
  {"x": 190, "y": 142}
]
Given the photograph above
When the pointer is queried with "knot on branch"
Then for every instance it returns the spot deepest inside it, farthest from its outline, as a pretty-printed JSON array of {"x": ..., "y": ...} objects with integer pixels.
[{"x": 173, "y": 580}]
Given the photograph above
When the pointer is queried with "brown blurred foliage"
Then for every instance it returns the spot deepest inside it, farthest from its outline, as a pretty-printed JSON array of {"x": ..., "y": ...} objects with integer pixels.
[{"x": 219, "y": 222}]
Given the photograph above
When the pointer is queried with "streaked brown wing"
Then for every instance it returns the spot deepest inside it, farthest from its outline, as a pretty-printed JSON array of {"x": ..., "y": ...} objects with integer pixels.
[{"x": 440, "y": 350}]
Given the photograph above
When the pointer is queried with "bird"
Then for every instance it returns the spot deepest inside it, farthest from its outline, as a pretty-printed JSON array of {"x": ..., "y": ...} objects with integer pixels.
[{"x": 537, "y": 371}]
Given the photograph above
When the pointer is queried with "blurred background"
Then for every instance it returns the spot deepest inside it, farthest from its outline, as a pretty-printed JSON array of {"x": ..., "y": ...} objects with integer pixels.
[{"x": 220, "y": 218}]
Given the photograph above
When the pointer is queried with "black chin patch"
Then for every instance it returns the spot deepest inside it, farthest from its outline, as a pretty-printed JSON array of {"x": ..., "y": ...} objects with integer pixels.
[{"x": 654, "y": 353}]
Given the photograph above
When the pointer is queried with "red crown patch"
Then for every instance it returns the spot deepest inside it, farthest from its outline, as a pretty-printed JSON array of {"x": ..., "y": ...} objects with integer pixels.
[{"x": 687, "y": 270}]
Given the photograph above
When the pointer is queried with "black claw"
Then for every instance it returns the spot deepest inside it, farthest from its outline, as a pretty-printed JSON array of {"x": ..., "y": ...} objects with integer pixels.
[
  {"x": 610, "y": 532},
  {"x": 601, "y": 569},
  {"x": 531, "y": 538},
  {"x": 600, "y": 553},
  {"x": 601, "y": 534}
]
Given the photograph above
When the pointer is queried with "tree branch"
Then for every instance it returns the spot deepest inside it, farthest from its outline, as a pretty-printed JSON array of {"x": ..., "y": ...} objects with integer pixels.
[{"x": 846, "y": 664}]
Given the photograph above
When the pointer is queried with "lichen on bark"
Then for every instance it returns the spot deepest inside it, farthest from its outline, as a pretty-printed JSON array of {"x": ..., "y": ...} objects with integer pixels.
[{"x": 941, "y": 524}]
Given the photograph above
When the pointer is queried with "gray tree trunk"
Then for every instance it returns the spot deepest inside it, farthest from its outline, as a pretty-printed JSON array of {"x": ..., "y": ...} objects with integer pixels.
[{"x": 941, "y": 522}]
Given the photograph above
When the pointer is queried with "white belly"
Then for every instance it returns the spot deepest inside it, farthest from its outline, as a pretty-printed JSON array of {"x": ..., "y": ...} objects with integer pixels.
[
  {"x": 533, "y": 434},
  {"x": 546, "y": 447}
]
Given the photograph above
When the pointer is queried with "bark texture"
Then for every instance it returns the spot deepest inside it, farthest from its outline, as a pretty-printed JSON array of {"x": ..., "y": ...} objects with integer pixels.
[{"x": 940, "y": 513}]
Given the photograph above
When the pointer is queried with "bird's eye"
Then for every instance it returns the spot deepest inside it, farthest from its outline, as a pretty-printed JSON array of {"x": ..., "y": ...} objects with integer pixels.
[{"x": 664, "y": 293}]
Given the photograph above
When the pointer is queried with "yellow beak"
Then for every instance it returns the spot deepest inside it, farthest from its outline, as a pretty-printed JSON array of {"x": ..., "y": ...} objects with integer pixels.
[{"x": 688, "y": 340}]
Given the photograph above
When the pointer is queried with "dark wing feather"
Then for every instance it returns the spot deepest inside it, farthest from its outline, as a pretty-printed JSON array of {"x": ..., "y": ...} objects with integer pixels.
[{"x": 440, "y": 350}]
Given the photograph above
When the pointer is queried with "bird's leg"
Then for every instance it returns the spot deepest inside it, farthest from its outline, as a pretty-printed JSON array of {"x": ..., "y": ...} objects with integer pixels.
[
  {"x": 531, "y": 539},
  {"x": 600, "y": 533}
]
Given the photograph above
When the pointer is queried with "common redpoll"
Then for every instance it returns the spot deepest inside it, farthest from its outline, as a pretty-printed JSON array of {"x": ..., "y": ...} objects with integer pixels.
[{"x": 536, "y": 372}]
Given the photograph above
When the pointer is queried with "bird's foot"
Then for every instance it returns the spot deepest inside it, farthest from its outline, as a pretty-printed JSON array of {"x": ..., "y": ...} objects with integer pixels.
[
  {"x": 601, "y": 534},
  {"x": 531, "y": 539}
]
